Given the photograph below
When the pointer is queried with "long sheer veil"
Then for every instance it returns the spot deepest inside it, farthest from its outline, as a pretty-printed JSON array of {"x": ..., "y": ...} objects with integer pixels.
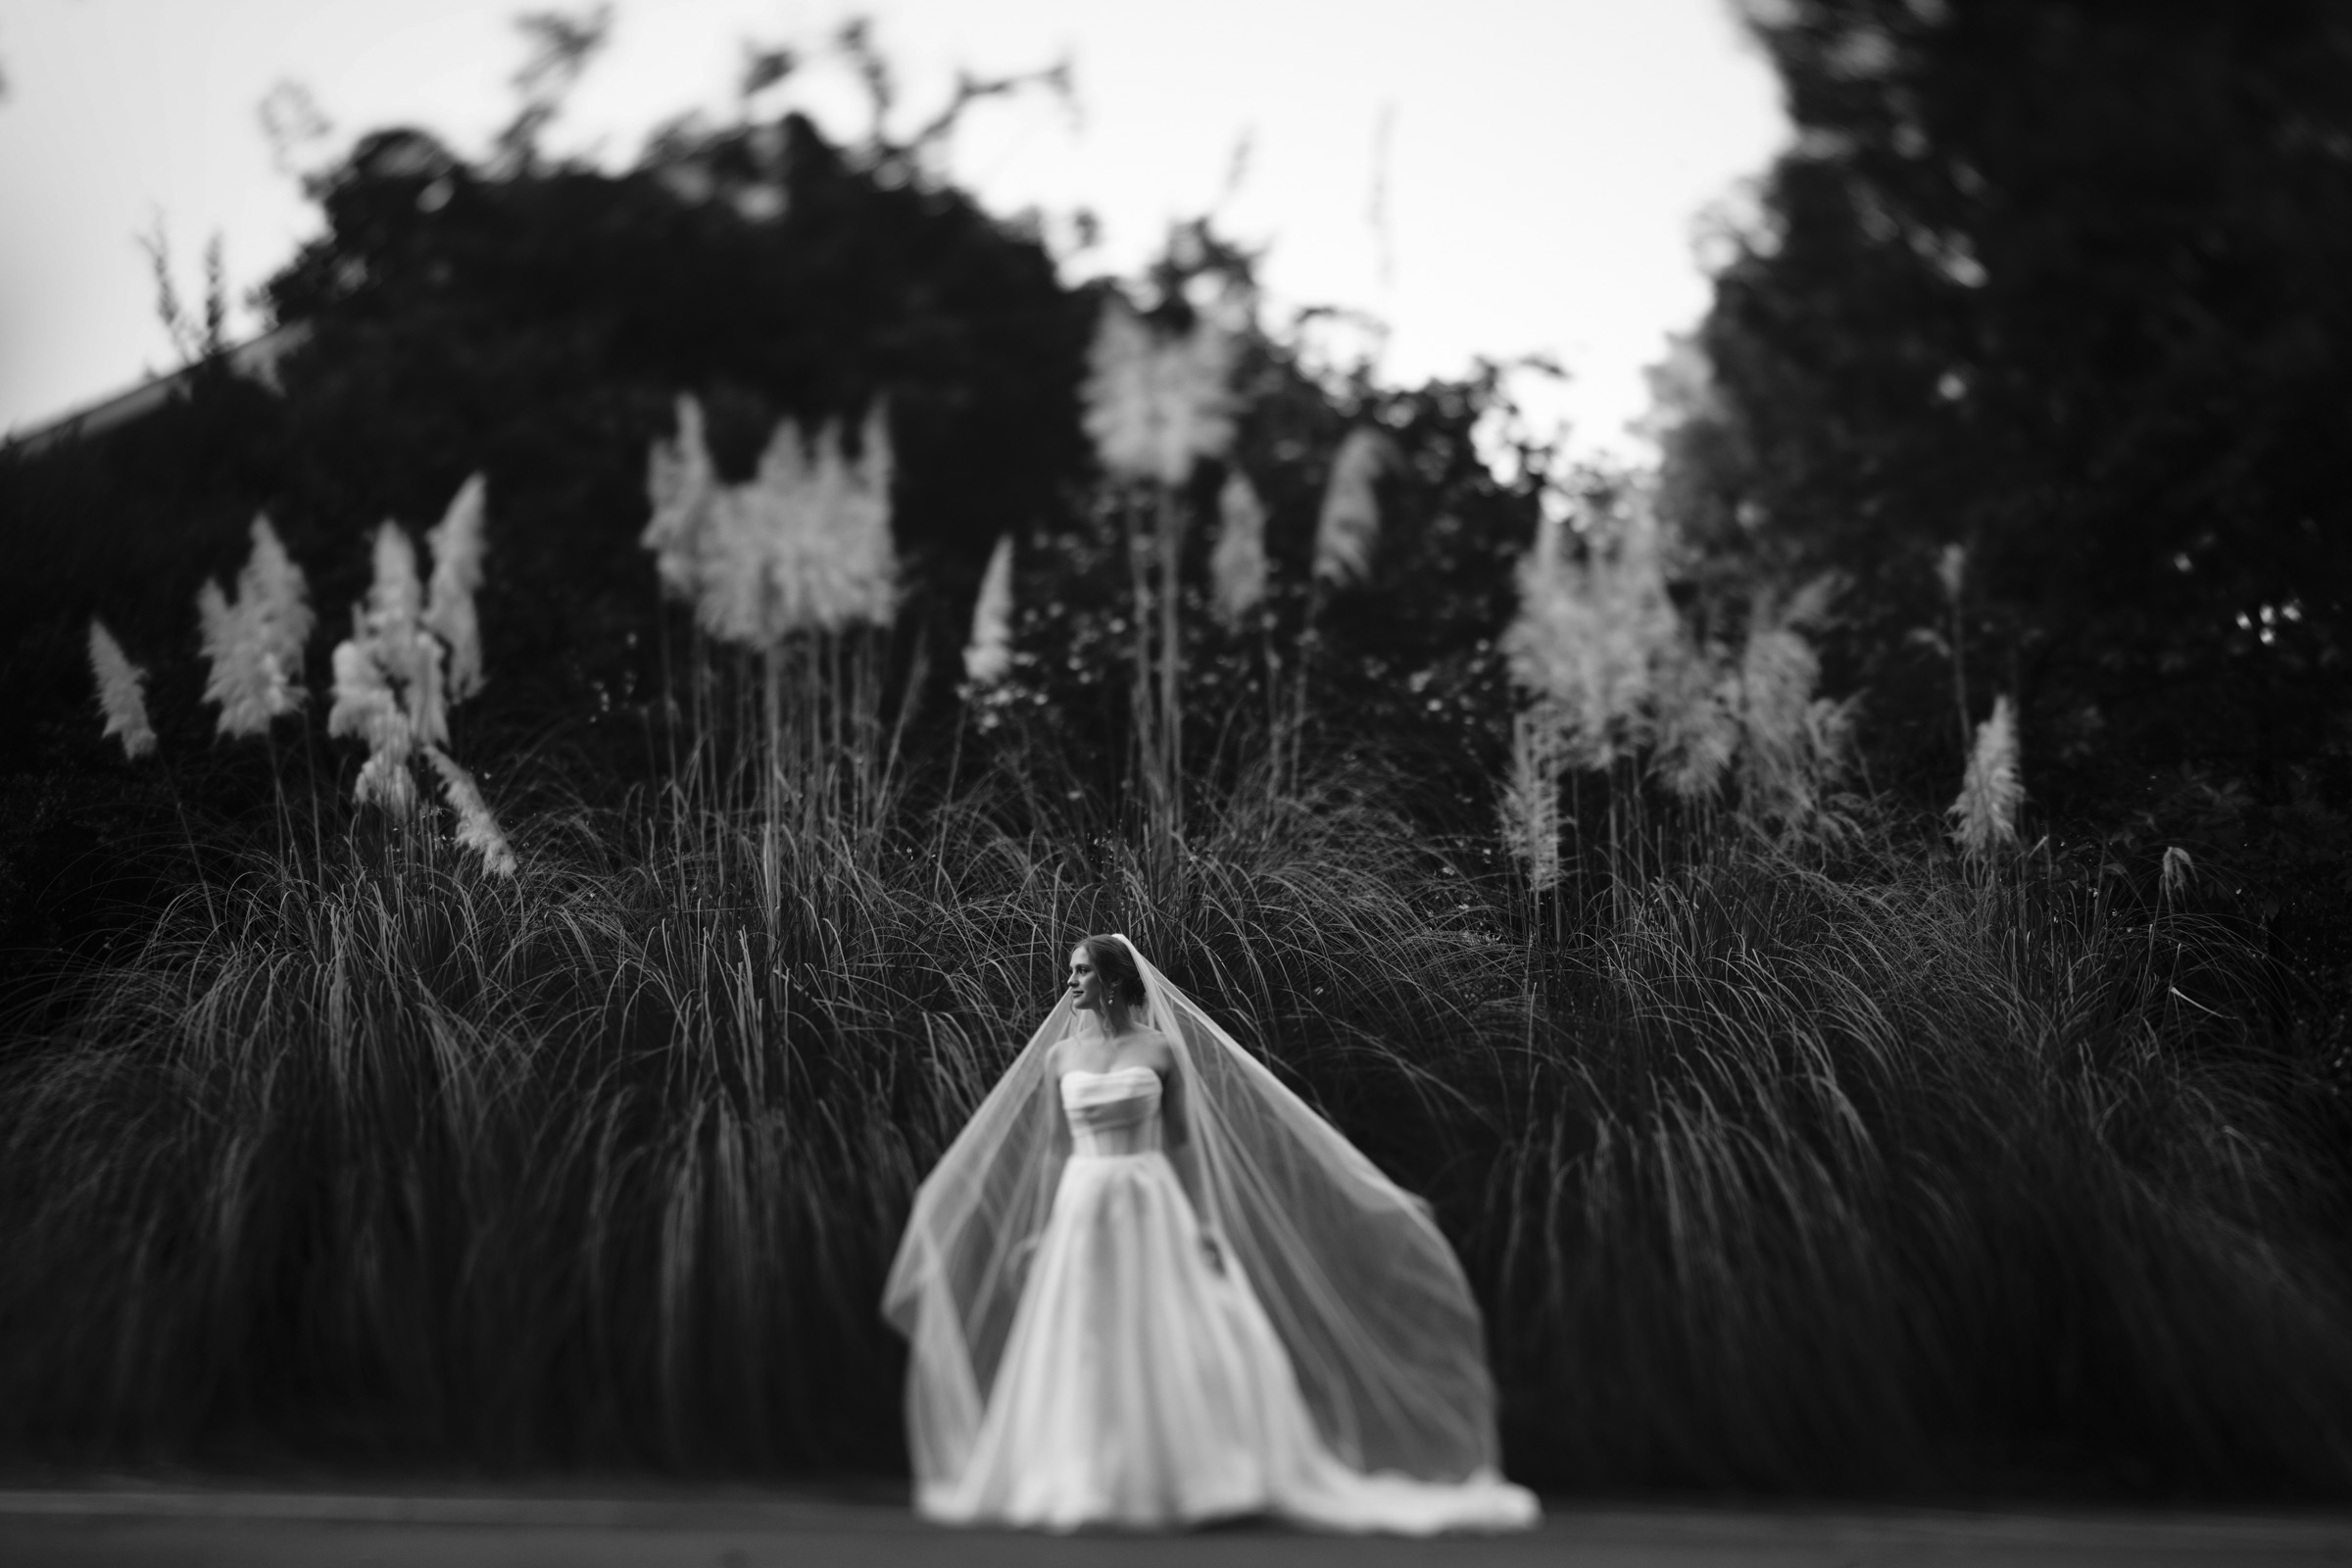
[{"x": 1367, "y": 1297}]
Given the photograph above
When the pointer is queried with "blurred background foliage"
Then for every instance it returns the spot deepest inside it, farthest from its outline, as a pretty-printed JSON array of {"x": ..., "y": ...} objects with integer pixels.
[
  {"x": 2062, "y": 286},
  {"x": 535, "y": 323},
  {"x": 2067, "y": 285}
]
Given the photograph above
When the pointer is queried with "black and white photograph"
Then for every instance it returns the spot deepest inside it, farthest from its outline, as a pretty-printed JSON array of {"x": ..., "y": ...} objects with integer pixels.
[{"x": 1262, "y": 782}]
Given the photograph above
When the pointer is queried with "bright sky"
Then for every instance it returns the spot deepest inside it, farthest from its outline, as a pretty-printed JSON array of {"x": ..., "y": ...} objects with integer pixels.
[{"x": 1547, "y": 159}]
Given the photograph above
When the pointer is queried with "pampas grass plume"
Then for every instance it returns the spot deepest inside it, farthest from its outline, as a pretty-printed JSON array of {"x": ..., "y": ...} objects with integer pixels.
[
  {"x": 271, "y": 591},
  {"x": 388, "y": 678},
  {"x": 728, "y": 581},
  {"x": 449, "y": 613},
  {"x": 806, "y": 545},
  {"x": 396, "y": 636},
  {"x": 2177, "y": 873},
  {"x": 681, "y": 482},
  {"x": 1120, "y": 415},
  {"x": 122, "y": 695},
  {"x": 987, "y": 656},
  {"x": 395, "y": 597},
  {"x": 1237, "y": 568},
  {"x": 366, "y": 706},
  {"x": 228, "y": 650},
  {"x": 1951, "y": 571},
  {"x": 1778, "y": 671},
  {"x": 1350, "y": 524},
  {"x": 1984, "y": 816},
  {"x": 786, "y": 537},
  {"x": 1531, "y": 803},
  {"x": 1698, "y": 723},
  {"x": 869, "y": 556},
  {"x": 272, "y": 579},
  {"x": 1597, "y": 640},
  {"x": 1794, "y": 744},
  {"x": 1157, "y": 403},
  {"x": 253, "y": 645},
  {"x": 385, "y": 781},
  {"x": 1590, "y": 637},
  {"x": 801, "y": 534},
  {"x": 477, "y": 829}
]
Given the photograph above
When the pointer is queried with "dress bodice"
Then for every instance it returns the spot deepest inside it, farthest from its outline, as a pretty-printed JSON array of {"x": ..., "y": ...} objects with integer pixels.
[{"x": 1113, "y": 1112}]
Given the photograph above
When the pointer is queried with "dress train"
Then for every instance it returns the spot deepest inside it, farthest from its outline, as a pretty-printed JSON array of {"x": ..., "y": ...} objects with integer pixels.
[{"x": 1144, "y": 1387}]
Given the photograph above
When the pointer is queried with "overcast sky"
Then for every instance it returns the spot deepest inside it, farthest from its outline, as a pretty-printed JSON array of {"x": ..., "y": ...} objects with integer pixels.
[{"x": 1546, "y": 161}]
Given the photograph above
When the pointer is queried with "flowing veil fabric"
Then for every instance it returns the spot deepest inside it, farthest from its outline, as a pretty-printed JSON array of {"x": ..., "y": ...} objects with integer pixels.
[{"x": 1361, "y": 1287}]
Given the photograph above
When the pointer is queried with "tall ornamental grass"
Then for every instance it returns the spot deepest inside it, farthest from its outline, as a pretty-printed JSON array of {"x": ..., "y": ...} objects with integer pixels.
[
  {"x": 793, "y": 581},
  {"x": 1843, "y": 1161},
  {"x": 603, "y": 1161},
  {"x": 1881, "y": 1181},
  {"x": 1887, "y": 1182},
  {"x": 1786, "y": 1150}
]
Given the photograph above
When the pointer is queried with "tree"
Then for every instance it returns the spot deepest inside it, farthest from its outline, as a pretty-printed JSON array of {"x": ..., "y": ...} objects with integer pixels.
[
  {"x": 536, "y": 323},
  {"x": 2066, "y": 283}
]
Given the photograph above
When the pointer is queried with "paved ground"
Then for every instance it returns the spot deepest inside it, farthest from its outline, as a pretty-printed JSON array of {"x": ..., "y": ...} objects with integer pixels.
[{"x": 254, "y": 1528}]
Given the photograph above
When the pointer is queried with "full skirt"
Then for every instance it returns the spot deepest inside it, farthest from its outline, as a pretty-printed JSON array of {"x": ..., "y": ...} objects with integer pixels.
[{"x": 1144, "y": 1387}]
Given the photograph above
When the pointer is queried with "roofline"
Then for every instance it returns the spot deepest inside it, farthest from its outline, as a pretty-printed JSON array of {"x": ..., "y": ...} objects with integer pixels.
[{"x": 255, "y": 359}]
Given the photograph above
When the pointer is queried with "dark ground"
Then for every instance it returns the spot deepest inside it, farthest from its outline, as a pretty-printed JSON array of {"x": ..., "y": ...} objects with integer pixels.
[{"x": 143, "y": 1524}]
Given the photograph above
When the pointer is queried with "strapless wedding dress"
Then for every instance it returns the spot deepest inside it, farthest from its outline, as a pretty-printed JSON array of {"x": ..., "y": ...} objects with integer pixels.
[{"x": 1144, "y": 1387}]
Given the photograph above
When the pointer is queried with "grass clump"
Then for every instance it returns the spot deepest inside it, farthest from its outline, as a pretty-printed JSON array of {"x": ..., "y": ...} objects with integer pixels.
[
  {"x": 1786, "y": 1152},
  {"x": 1883, "y": 1180},
  {"x": 1864, "y": 1179},
  {"x": 602, "y": 1162}
]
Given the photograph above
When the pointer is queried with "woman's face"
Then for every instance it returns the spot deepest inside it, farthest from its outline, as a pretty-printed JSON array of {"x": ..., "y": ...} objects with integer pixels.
[{"x": 1086, "y": 986}]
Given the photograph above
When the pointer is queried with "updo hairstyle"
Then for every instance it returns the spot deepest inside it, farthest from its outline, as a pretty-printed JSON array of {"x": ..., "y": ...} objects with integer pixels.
[{"x": 1116, "y": 965}]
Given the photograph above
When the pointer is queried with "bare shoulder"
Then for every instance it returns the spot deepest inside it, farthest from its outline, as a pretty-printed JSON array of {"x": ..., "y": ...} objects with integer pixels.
[{"x": 1148, "y": 1048}]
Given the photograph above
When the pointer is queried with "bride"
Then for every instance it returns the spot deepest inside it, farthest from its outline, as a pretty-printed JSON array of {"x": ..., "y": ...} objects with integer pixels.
[{"x": 1148, "y": 1287}]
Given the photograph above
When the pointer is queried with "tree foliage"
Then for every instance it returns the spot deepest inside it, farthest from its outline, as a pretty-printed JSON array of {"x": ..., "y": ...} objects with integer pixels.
[
  {"x": 538, "y": 326},
  {"x": 534, "y": 321},
  {"x": 2066, "y": 283}
]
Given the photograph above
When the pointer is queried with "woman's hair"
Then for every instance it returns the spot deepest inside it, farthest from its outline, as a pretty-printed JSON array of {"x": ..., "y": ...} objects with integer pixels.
[{"x": 1116, "y": 965}]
